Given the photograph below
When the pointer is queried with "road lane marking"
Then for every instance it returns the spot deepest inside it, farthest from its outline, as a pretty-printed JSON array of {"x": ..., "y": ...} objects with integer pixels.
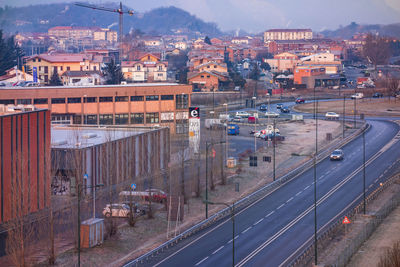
[
  {"x": 290, "y": 199},
  {"x": 307, "y": 187},
  {"x": 230, "y": 241},
  {"x": 236, "y": 236},
  {"x": 280, "y": 206},
  {"x": 248, "y": 228},
  {"x": 269, "y": 214},
  {"x": 221, "y": 247},
  {"x": 299, "y": 193},
  {"x": 201, "y": 261},
  {"x": 257, "y": 222},
  {"x": 371, "y": 185}
]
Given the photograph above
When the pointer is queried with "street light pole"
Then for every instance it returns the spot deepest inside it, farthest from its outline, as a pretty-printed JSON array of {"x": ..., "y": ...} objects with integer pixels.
[
  {"x": 84, "y": 107},
  {"x": 344, "y": 111},
  {"x": 355, "y": 112},
  {"x": 226, "y": 134},
  {"x": 255, "y": 123},
  {"x": 364, "y": 209},
  {"x": 274, "y": 143},
  {"x": 315, "y": 179}
]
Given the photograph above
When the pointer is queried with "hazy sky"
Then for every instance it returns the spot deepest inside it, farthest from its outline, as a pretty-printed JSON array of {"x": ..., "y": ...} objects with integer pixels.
[{"x": 259, "y": 15}]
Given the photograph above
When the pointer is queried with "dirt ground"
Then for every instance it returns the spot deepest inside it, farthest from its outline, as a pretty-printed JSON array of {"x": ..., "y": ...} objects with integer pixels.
[
  {"x": 147, "y": 234},
  {"x": 367, "y": 106}
]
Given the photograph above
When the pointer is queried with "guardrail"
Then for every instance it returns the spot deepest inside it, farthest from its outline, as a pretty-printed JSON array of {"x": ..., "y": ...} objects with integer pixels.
[{"x": 244, "y": 202}]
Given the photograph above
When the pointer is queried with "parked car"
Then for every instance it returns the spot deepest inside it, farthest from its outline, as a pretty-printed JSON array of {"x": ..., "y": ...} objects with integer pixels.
[
  {"x": 377, "y": 95},
  {"x": 331, "y": 116},
  {"x": 263, "y": 107},
  {"x": 243, "y": 114},
  {"x": 285, "y": 110},
  {"x": 272, "y": 137},
  {"x": 279, "y": 106},
  {"x": 252, "y": 119},
  {"x": 271, "y": 114},
  {"x": 357, "y": 96},
  {"x": 116, "y": 210},
  {"x": 237, "y": 119},
  {"x": 233, "y": 129},
  {"x": 337, "y": 155},
  {"x": 157, "y": 195},
  {"x": 300, "y": 101}
]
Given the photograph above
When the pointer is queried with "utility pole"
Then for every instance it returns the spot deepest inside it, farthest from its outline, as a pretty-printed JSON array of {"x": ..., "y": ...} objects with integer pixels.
[
  {"x": 315, "y": 180},
  {"x": 344, "y": 111},
  {"x": 274, "y": 144},
  {"x": 364, "y": 209}
]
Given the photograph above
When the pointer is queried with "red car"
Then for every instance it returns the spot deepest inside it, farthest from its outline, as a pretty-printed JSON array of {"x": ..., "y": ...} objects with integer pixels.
[
  {"x": 157, "y": 195},
  {"x": 300, "y": 101}
]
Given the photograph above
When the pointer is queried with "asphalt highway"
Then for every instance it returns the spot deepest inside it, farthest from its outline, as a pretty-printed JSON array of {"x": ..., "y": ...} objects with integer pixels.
[{"x": 271, "y": 230}]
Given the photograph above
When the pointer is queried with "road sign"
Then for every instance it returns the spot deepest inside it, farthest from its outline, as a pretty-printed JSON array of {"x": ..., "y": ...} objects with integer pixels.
[
  {"x": 85, "y": 176},
  {"x": 346, "y": 220},
  {"x": 133, "y": 186},
  {"x": 194, "y": 112},
  {"x": 213, "y": 153}
]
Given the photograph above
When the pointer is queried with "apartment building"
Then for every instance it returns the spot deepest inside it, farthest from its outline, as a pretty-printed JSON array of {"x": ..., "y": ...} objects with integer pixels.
[
  {"x": 283, "y": 62},
  {"x": 75, "y": 32},
  {"x": 149, "y": 68},
  {"x": 288, "y": 34}
]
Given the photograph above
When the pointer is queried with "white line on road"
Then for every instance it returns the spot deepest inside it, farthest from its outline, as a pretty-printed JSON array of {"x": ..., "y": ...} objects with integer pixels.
[
  {"x": 257, "y": 222},
  {"x": 269, "y": 214},
  {"x": 299, "y": 193},
  {"x": 230, "y": 241},
  {"x": 201, "y": 261},
  {"x": 221, "y": 247},
  {"x": 371, "y": 185},
  {"x": 236, "y": 236},
  {"x": 290, "y": 199},
  {"x": 280, "y": 206},
  {"x": 307, "y": 187},
  {"x": 248, "y": 228}
]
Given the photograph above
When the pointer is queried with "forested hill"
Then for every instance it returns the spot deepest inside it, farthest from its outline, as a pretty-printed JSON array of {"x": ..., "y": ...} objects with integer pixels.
[
  {"x": 164, "y": 20},
  {"x": 353, "y": 28}
]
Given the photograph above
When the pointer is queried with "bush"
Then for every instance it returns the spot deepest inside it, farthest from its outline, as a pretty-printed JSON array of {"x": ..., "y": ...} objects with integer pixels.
[
  {"x": 391, "y": 258},
  {"x": 111, "y": 227}
]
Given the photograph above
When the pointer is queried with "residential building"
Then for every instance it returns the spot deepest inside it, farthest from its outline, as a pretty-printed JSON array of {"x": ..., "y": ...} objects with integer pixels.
[
  {"x": 75, "y": 32},
  {"x": 323, "y": 60},
  {"x": 14, "y": 75},
  {"x": 46, "y": 64},
  {"x": 81, "y": 78},
  {"x": 149, "y": 68},
  {"x": 132, "y": 104},
  {"x": 208, "y": 80},
  {"x": 25, "y": 161},
  {"x": 287, "y": 34},
  {"x": 306, "y": 71},
  {"x": 283, "y": 62}
]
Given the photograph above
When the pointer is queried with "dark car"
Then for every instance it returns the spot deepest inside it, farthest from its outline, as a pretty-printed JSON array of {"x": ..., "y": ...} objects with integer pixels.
[
  {"x": 263, "y": 107},
  {"x": 300, "y": 101},
  {"x": 272, "y": 137},
  {"x": 285, "y": 110},
  {"x": 279, "y": 106},
  {"x": 377, "y": 95},
  {"x": 337, "y": 155}
]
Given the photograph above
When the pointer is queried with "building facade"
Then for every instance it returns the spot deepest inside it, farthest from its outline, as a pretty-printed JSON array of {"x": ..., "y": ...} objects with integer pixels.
[
  {"x": 149, "y": 68},
  {"x": 288, "y": 34},
  {"x": 25, "y": 161},
  {"x": 133, "y": 104}
]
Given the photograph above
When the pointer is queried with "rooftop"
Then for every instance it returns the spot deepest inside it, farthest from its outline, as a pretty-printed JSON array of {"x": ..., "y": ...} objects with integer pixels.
[{"x": 92, "y": 86}]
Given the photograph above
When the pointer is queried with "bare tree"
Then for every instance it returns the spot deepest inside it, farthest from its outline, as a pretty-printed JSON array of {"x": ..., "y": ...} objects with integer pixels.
[
  {"x": 376, "y": 49},
  {"x": 392, "y": 86}
]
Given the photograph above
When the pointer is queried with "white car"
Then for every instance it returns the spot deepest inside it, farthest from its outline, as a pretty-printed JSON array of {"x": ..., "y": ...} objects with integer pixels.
[
  {"x": 271, "y": 114},
  {"x": 357, "y": 96},
  {"x": 118, "y": 210},
  {"x": 242, "y": 114},
  {"x": 331, "y": 116}
]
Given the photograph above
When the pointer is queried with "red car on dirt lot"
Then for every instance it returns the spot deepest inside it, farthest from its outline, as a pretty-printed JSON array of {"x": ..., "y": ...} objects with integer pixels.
[{"x": 300, "y": 101}]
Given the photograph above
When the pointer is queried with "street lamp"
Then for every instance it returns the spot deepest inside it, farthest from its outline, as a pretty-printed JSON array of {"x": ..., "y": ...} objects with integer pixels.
[
  {"x": 232, "y": 208},
  {"x": 364, "y": 208},
  {"x": 255, "y": 123},
  {"x": 226, "y": 133},
  {"x": 208, "y": 144},
  {"x": 344, "y": 111},
  {"x": 84, "y": 106},
  {"x": 315, "y": 177}
]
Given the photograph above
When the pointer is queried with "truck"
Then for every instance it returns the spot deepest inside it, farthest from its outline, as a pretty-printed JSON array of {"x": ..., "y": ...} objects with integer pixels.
[
  {"x": 233, "y": 129},
  {"x": 210, "y": 123}
]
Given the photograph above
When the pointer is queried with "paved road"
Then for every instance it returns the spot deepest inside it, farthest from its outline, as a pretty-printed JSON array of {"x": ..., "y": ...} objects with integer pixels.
[{"x": 272, "y": 229}]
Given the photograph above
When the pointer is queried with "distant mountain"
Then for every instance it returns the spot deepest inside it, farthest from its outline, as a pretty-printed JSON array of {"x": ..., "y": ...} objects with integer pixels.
[
  {"x": 164, "y": 20},
  {"x": 353, "y": 28}
]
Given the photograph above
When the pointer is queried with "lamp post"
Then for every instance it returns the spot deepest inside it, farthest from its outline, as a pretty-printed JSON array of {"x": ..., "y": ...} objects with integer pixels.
[
  {"x": 226, "y": 134},
  {"x": 355, "y": 110},
  {"x": 232, "y": 208},
  {"x": 255, "y": 123},
  {"x": 208, "y": 144},
  {"x": 344, "y": 111},
  {"x": 84, "y": 106},
  {"x": 315, "y": 178},
  {"x": 364, "y": 208},
  {"x": 274, "y": 144}
]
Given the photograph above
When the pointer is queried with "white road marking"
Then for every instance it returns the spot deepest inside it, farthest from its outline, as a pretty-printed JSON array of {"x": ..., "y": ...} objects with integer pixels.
[
  {"x": 307, "y": 187},
  {"x": 236, "y": 236},
  {"x": 230, "y": 241},
  {"x": 257, "y": 222},
  {"x": 221, "y": 247},
  {"x": 269, "y": 214},
  {"x": 280, "y": 206},
  {"x": 248, "y": 228},
  {"x": 371, "y": 185},
  {"x": 290, "y": 199},
  {"x": 201, "y": 261},
  {"x": 299, "y": 193}
]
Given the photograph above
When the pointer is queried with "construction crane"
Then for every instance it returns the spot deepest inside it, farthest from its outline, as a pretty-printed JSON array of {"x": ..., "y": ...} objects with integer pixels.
[{"x": 121, "y": 13}]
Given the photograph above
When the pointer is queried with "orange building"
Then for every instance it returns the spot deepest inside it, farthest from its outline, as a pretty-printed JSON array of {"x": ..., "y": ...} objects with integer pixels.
[
  {"x": 133, "y": 104},
  {"x": 207, "y": 80},
  {"x": 305, "y": 71}
]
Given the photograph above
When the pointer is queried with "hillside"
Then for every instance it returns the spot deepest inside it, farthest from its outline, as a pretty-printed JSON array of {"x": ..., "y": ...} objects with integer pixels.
[
  {"x": 164, "y": 20},
  {"x": 348, "y": 31}
]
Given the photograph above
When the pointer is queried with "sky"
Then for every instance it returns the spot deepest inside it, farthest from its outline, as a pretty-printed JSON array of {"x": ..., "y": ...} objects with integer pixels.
[{"x": 259, "y": 15}]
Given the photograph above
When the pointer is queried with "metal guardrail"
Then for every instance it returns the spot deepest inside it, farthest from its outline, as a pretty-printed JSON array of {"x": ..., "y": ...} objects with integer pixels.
[{"x": 239, "y": 205}]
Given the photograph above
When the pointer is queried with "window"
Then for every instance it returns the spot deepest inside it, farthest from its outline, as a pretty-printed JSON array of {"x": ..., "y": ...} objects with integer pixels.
[
  {"x": 160, "y": 68},
  {"x": 89, "y": 99},
  {"x": 81, "y": 68},
  {"x": 91, "y": 119},
  {"x": 151, "y": 117},
  {"x": 167, "y": 97},
  {"x": 77, "y": 119},
  {"x": 7, "y": 101},
  {"x": 74, "y": 100},
  {"x": 121, "y": 99},
  {"x": 106, "y": 99},
  {"x": 46, "y": 69},
  {"x": 121, "y": 118},
  {"x": 138, "y": 67},
  {"x": 39, "y": 60},
  {"x": 94, "y": 68},
  {"x": 106, "y": 119},
  {"x": 61, "y": 68},
  {"x": 182, "y": 101},
  {"x": 68, "y": 68},
  {"x": 34, "y": 60},
  {"x": 58, "y": 100},
  {"x": 55, "y": 69},
  {"x": 159, "y": 74},
  {"x": 137, "y": 98},
  {"x": 151, "y": 97},
  {"x": 215, "y": 66},
  {"x": 208, "y": 76},
  {"x": 40, "y": 101},
  {"x": 137, "y": 118},
  {"x": 24, "y": 101},
  {"x": 148, "y": 57},
  {"x": 46, "y": 78},
  {"x": 202, "y": 76}
]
